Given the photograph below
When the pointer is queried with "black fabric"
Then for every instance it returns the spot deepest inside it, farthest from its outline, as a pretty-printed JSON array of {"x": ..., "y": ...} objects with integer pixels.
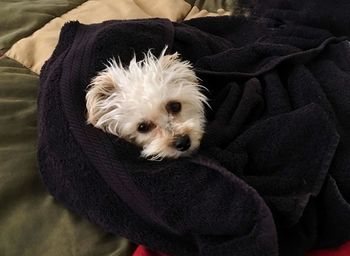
[{"x": 272, "y": 176}]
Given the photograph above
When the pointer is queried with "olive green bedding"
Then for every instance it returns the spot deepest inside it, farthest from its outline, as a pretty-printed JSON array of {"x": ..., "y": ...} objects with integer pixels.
[{"x": 19, "y": 18}]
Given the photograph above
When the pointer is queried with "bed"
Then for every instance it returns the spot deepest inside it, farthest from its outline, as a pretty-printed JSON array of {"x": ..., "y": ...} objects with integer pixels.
[{"x": 32, "y": 222}]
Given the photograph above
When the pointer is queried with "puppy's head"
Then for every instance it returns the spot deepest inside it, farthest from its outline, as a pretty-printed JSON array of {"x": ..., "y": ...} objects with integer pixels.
[{"x": 155, "y": 103}]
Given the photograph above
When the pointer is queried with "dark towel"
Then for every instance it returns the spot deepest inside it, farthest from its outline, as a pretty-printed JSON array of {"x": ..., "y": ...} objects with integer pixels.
[{"x": 272, "y": 176}]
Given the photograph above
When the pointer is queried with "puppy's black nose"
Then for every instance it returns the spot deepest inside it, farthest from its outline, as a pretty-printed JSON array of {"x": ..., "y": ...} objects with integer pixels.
[{"x": 182, "y": 143}]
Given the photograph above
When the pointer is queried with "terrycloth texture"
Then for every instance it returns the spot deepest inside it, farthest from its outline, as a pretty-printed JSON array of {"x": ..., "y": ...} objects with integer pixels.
[{"x": 276, "y": 153}]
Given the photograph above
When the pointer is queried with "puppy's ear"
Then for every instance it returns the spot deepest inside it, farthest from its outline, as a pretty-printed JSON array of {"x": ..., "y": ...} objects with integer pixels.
[
  {"x": 180, "y": 68},
  {"x": 167, "y": 61},
  {"x": 102, "y": 86}
]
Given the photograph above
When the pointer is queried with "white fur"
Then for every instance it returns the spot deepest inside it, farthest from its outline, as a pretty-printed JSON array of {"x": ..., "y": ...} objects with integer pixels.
[{"x": 119, "y": 98}]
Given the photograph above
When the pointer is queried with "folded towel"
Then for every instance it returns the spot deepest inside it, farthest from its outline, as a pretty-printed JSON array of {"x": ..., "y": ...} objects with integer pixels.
[{"x": 272, "y": 176}]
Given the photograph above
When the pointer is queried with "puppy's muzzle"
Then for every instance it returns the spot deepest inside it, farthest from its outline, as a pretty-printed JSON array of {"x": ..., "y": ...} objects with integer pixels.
[{"x": 182, "y": 143}]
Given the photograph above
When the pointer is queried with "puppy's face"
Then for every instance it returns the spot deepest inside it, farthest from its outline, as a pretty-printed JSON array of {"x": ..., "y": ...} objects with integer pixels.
[{"x": 155, "y": 103}]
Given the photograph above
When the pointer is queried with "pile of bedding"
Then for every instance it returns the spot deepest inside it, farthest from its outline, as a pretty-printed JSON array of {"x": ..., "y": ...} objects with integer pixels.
[
  {"x": 31, "y": 221},
  {"x": 271, "y": 177}
]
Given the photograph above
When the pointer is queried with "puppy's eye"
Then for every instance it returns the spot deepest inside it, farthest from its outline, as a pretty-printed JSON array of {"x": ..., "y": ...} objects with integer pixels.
[
  {"x": 145, "y": 127},
  {"x": 173, "y": 107}
]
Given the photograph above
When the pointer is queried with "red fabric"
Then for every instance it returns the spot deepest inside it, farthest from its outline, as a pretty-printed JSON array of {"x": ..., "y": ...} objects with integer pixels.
[
  {"x": 343, "y": 250},
  {"x": 143, "y": 251}
]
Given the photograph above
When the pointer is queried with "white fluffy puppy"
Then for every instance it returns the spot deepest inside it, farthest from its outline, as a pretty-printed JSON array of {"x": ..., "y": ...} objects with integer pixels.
[{"x": 155, "y": 103}]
